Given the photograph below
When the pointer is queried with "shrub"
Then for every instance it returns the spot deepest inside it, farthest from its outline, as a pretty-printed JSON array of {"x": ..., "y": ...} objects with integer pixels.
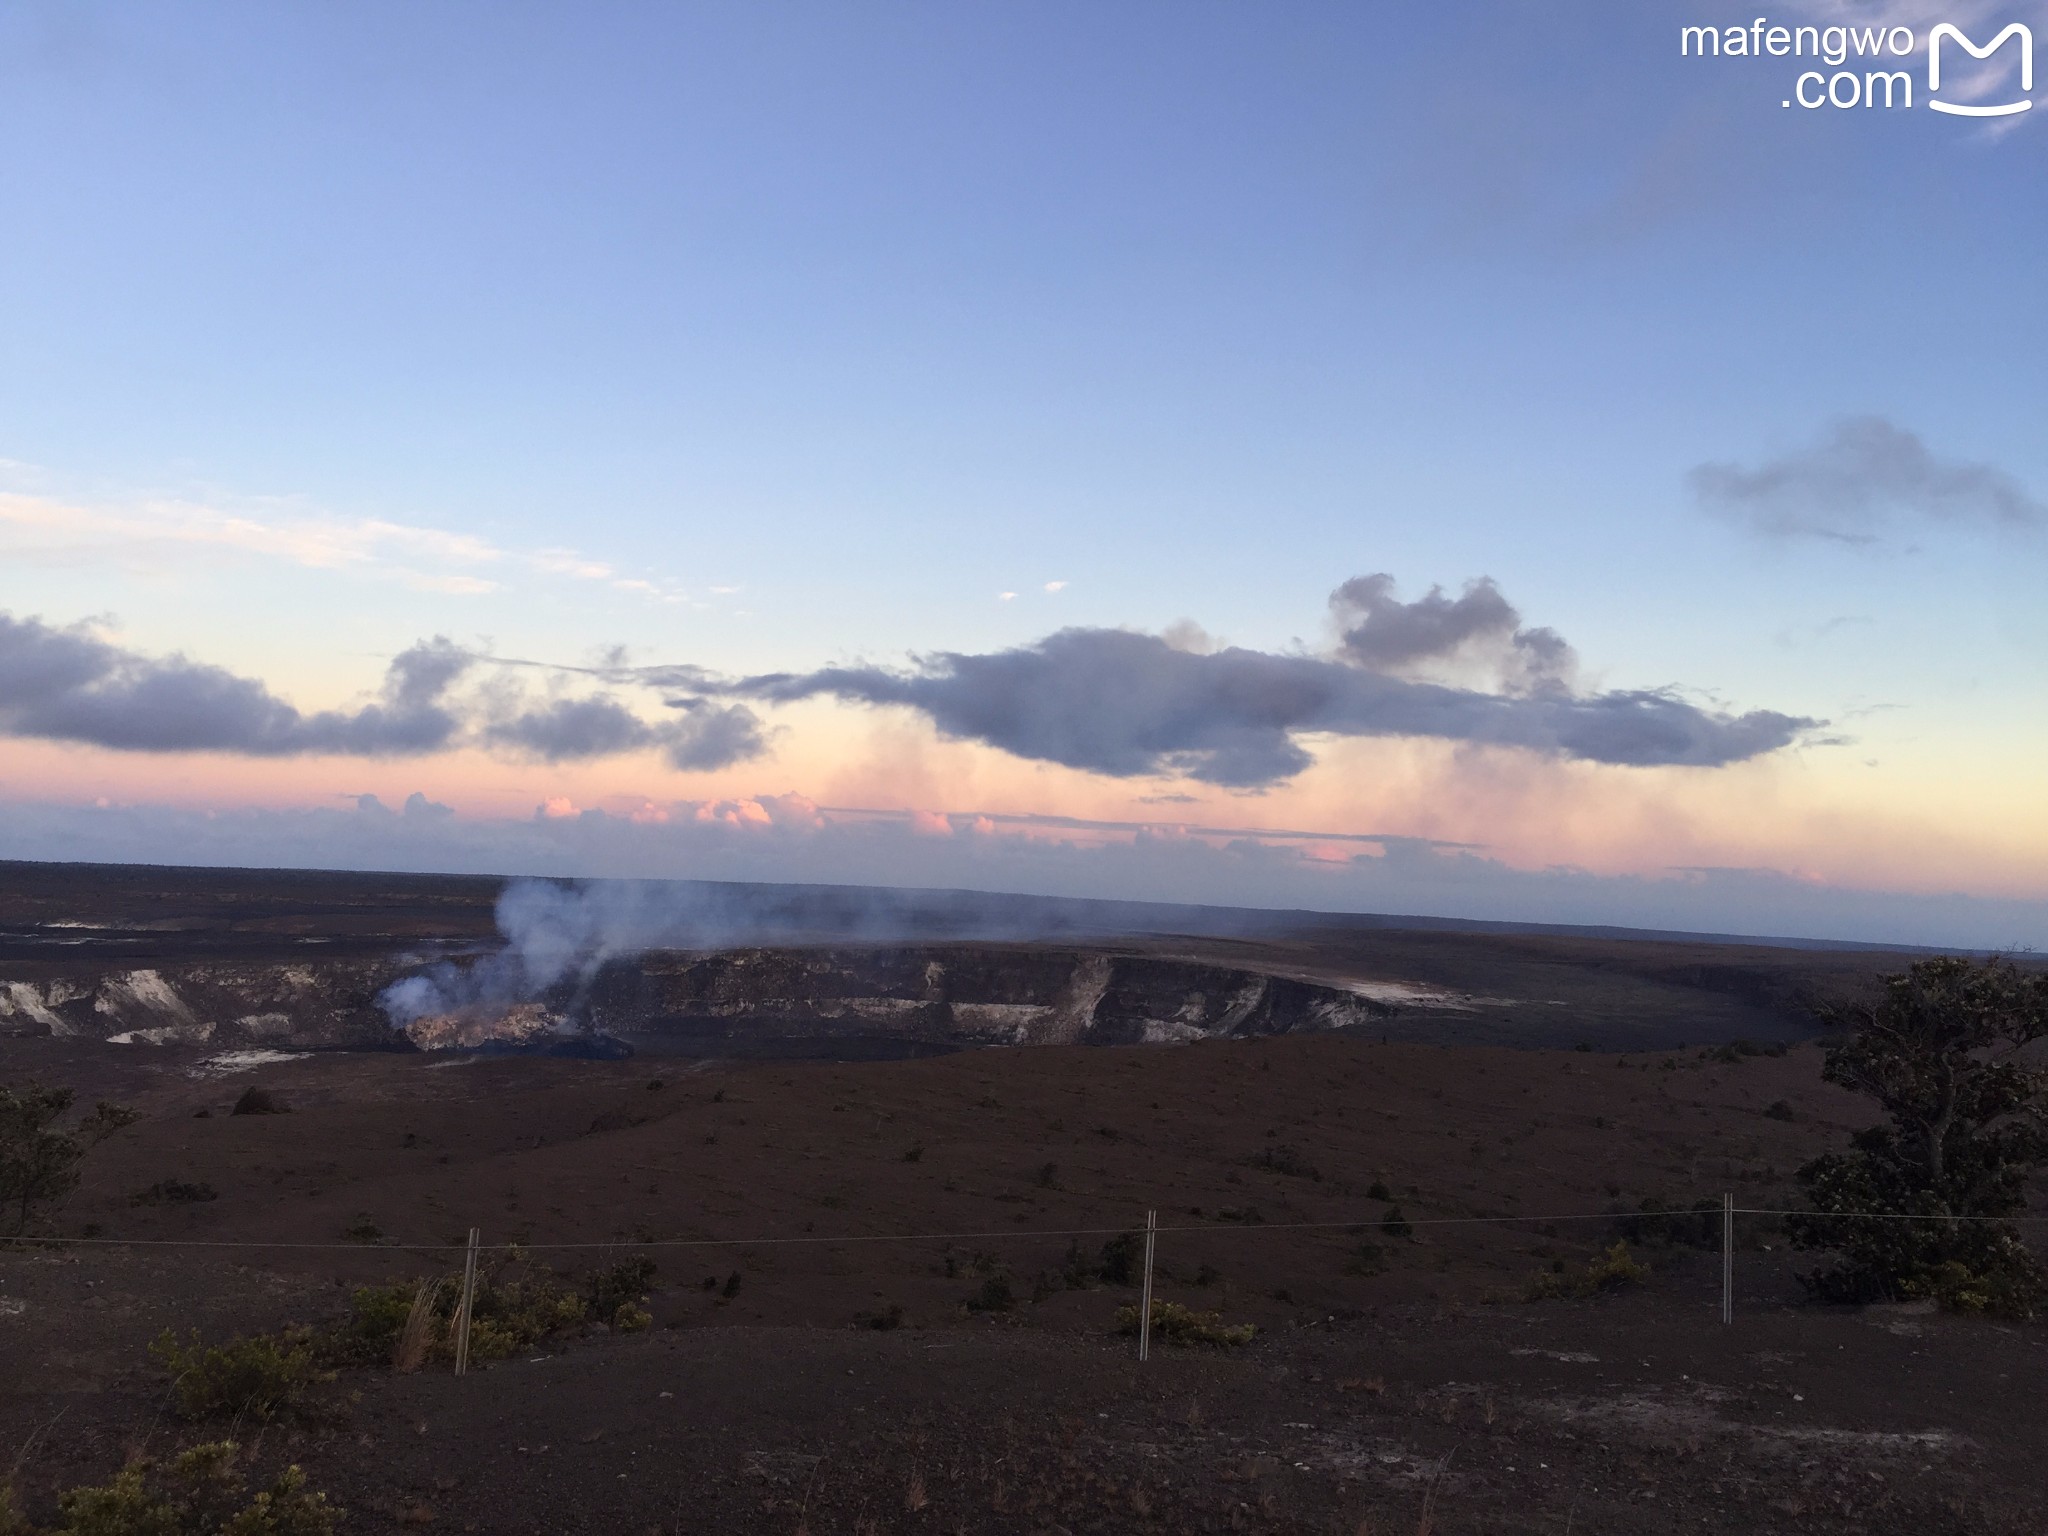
[
  {"x": 1121, "y": 1256},
  {"x": 1077, "y": 1273},
  {"x": 260, "y": 1101},
  {"x": 1737, "y": 1051},
  {"x": 615, "y": 1295},
  {"x": 1177, "y": 1324},
  {"x": 508, "y": 1316},
  {"x": 1377, "y": 1190},
  {"x": 1947, "y": 1053},
  {"x": 405, "y": 1324},
  {"x": 995, "y": 1295},
  {"x": 259, "y": 1376},
  {"x": 1394, "y": 1224},
  {"x": 1287, "y": 1160},
  {"x": 39, "y": 1161},
  {"x": 198, "y": 1493},
  {"x": 174, "y": 1192},
  {"x": 369, "y": 1334},
  {"x": 632, "y": 1318},
  {"x": 1611, "y": 1270}
]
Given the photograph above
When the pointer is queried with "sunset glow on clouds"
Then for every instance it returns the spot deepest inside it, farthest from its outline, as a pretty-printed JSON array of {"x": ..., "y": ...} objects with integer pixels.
[{"x": 776, "y": 458}]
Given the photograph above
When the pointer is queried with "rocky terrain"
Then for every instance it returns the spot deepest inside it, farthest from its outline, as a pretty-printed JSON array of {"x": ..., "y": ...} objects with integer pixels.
[
  {"x": 885, "y": 1292},
  {"x": 864, "y": 1316}
]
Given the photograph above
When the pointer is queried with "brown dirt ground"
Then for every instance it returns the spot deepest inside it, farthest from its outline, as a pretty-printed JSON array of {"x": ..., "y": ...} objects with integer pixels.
[{"x": 1430, "y": 1396}]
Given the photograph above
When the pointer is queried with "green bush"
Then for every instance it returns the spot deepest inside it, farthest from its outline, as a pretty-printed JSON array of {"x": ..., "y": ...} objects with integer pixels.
[
  {"x": 1950, "y": 1053},
  {"x": 1611, "y": 1270},
  {"x": 510, "y": 1316},
  {"x": 259, "y": 1376},
  {"x": 377, "y": 1315},
  {"x": 198, "y": 1493},
  {"x": 1121, "y": 1256},
  {"x": 615, "y": 1295},
  {"x": 1177, "y": 1324},
  {"x": 995, "y": 1295}
]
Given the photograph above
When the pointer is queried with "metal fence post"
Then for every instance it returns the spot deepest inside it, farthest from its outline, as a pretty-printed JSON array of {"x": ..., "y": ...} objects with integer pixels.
[
  {"x": 467, "y": 1304},
  {"x": 1728, "y": 1258},
  {"x": 1145, "y": 1296}
]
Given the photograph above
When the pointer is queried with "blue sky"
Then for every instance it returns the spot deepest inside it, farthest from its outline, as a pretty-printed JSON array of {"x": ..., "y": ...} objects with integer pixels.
[{"x": 832, "y": 324}]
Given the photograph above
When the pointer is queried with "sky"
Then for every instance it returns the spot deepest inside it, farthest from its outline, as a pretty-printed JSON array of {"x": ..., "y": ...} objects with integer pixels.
[{"x": 1457, "y": 458}]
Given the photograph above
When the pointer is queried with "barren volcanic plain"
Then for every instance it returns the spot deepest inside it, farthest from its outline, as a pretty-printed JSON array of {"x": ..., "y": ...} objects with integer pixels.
[{"x": 882, "y": 1151}]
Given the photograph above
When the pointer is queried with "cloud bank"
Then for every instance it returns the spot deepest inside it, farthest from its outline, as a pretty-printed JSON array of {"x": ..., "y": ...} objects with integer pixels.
[
  {"x": 72, "y": 684},
  {"x": 788, "y": 838},
  {"x": 1126, "y": 704},
  {"x": 1860, "y": 483},
  {"x": 1114, "y": 702}
]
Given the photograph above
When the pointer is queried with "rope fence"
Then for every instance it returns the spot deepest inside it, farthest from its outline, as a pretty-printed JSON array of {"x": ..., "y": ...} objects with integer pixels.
[
  {"x": 1211, "y": 1229},
  {"x": 473, "y": 1248}
]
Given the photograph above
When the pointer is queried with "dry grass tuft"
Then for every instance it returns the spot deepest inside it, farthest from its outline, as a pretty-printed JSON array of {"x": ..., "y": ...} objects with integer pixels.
[{"x": 416, "y": 1337}]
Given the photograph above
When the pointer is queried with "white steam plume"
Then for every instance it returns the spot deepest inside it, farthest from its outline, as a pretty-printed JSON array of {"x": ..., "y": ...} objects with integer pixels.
[{"x": 559, "y": 934}]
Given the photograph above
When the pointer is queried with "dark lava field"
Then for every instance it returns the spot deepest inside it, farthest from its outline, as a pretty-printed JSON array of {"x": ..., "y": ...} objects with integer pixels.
[{"x": 882, "y": 1153}]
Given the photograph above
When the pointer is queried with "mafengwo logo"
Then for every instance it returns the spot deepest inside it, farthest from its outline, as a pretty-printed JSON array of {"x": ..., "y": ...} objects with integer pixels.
[{"x": 1847, "y": 53}]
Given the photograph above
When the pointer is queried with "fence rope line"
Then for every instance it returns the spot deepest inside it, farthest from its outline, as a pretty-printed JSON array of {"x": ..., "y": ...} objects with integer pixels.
[{"x": 1219, "y": 1229}]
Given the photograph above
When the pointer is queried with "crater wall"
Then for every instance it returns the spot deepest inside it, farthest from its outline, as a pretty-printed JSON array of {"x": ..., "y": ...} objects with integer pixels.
[{"x": 852, "y": 1000}]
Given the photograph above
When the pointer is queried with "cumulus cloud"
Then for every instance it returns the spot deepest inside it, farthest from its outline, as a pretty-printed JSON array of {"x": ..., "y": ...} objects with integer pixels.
[
  {"x": 1863, "y": 480},
  {"x": 1126, "y": 704},
  {"x": 707, "y": 735},
  {"x": 571, "y": 730},
  {"x": 1436, "y": 633},
  {"x": 713, "y": 735}
]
